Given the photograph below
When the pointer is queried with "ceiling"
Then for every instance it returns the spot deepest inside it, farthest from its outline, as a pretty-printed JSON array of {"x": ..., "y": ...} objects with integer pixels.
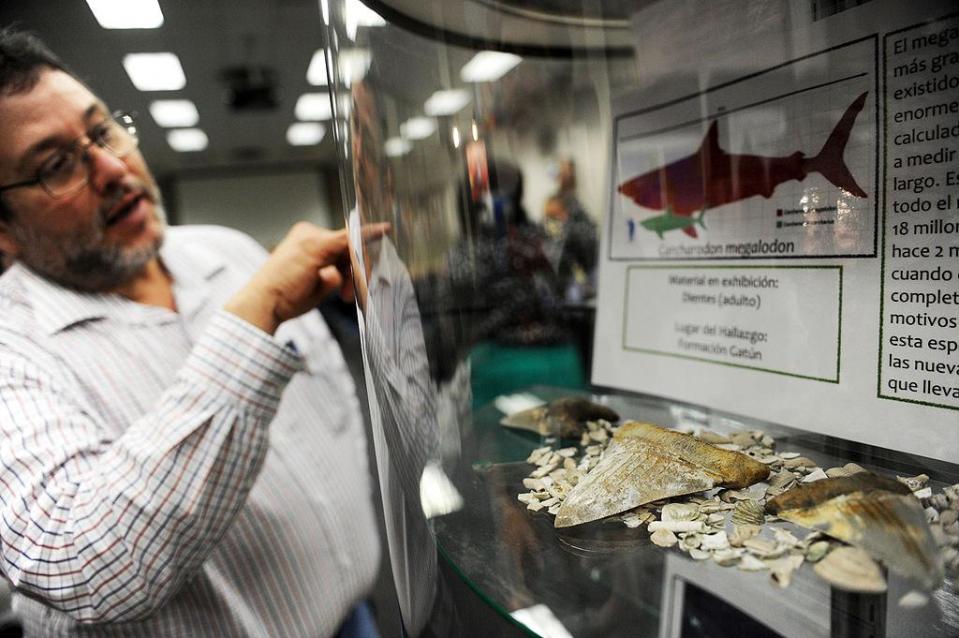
[
  {"x": 208, "y": 36},
  {"x": 212, "y": 36}
]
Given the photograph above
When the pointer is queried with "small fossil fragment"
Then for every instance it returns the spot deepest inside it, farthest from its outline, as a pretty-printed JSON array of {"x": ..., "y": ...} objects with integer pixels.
[
  {"x": 785, "y": 537},
  {"x": 533, "y": 484},
  {"x": 712, "y": 437},
  {"x": 749, "y": 563},
  {"x": 816, "y": 551},
  {"x": 799, "y": 461},
  {"x": 780, "y": 482},
  {"x": 851, "y": 569},
  {"x": 914, "y": 483},
  {"x": 717, "y": 519},
  {"x": 691, "y": 541},
  {"x": 727, "y": 556},
  {"x": 782, "y": 568},
  {"x": 678, "y": 526},
  {"x": 948, "y": 517},
  {"x": 742, "y": 533},
  {"x": 816, "y": 475},
  {"x": 715, "y": 541},
  {"x": 663, "y": 538},
  {"x": 542, "y": 471},
  {"x": 680, "y": 512},
  {"x": 760, "y": 546},
  {"x": 913, "y": 600},
  {"x": 748, "y": 512},
  {"x": 731, "y": 496},
  {"x": 743, "y": 438}
]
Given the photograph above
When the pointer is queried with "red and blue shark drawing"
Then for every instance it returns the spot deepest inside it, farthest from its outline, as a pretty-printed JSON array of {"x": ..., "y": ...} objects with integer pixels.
[{"x": 712, "y": 177}]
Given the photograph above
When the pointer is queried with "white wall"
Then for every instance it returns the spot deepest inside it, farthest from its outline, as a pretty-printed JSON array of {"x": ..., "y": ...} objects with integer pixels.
[
  {"x": 579, "y": 126},
  {"x": 264, "y": 206}
]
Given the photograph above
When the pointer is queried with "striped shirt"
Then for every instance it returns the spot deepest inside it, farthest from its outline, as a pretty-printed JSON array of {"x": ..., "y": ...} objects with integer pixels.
[{"x": 178, "y": 473}]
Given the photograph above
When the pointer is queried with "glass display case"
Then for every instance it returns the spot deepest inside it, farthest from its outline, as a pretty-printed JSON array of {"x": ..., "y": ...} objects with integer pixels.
[{"x": 661, "y": 336}]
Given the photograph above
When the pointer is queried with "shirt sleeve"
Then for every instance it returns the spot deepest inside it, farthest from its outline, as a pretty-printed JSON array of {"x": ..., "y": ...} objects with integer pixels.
[{"x": 107, "y": 530}]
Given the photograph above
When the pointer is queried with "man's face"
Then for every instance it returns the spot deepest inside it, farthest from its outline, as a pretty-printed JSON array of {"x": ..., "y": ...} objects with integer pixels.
[
  {"x": 98, "y": 237},
  {"x": 371, "y": 181}
]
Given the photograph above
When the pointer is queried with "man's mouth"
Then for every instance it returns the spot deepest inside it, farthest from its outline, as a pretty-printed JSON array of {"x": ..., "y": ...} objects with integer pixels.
[{"x": 124, "y": 207}]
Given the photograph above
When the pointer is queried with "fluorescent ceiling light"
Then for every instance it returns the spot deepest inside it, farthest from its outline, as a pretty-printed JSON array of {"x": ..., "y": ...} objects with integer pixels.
[
  {"x": 446, "y": 102},
  {"x": 186, "y": 140},
  {"x": 305, "y": 133},
  {"x": 352, "y": 65},
  {"x": 345, "y": 104},
  {"x": 313, "y": 106},
  {"x": 396, "y": 146},
  {"x": 417, "y": 128},
  {"x": 356, "y": 14},
  {"x": 487, "y": 66},
  {"x": 364, "y": 16},
  {"x": 316, "y": 73},
  {"x": 155, "y": 71},
  {"x": 127, "y": 14},
  {"x": 174, "y": 113}
]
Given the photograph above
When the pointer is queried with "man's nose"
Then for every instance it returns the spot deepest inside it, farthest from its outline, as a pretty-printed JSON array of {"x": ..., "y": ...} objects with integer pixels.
[{"x": 105, "y": 167}]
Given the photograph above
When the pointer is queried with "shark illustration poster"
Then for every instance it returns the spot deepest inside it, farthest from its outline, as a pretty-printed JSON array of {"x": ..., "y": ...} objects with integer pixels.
[
  {"x": 782, "y": 230},
  {"x": 779, "y": 163}
]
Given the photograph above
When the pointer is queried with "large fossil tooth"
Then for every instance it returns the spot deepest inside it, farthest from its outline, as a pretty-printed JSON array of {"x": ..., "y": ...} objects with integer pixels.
[
  {"x": 564, "y": 417},
  {"x": 646, "y": 463},
  {"x": 874, "y": 513}
]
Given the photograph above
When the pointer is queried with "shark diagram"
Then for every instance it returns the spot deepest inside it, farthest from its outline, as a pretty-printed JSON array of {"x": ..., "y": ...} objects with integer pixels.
[{"x": 711, "y": 177}]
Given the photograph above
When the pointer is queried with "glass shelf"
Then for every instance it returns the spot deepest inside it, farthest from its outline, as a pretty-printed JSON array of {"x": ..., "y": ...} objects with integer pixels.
[{"x": 604, "y": 579}]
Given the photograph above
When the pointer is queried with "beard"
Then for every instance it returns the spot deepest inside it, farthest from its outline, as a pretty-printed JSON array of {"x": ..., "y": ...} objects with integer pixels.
[{"x": 84, "y": 260}]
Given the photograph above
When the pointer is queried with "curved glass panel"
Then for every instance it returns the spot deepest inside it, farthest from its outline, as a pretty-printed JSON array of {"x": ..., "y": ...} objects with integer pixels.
[{"x": 685, "y": 216}]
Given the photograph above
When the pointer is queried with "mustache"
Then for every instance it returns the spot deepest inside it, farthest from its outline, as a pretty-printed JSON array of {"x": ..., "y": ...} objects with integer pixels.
[{"x": 117, "y": 194}]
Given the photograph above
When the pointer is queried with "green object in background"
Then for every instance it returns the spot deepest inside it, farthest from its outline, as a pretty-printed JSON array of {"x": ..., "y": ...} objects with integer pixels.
[{"x": 500, "y": 369}]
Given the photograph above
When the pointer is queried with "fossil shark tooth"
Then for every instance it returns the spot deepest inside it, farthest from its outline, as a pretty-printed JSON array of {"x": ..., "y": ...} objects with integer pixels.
[
  {"x": 646, "y": 463},
  {"x": 871, "y": 512},
  {"x": 564, "y": 417}
]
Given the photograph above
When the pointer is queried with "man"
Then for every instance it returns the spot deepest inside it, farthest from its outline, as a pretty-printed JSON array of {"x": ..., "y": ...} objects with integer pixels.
[{"x": 181, "y": 451}]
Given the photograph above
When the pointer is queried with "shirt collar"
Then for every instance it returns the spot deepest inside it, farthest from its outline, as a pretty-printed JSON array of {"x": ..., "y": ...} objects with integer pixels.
[
  {"x": 189, "y": 264},
  {"x": 57, "y": 307}
]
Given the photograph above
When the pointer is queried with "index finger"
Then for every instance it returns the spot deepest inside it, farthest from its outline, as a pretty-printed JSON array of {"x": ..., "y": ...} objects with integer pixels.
[{"x": 370, "y": 232}]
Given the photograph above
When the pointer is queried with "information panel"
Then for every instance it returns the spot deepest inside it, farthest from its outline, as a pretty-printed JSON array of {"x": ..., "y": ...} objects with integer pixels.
[
  {"x": 783, "y": 239},
  {"x": 919, "y": 343}
]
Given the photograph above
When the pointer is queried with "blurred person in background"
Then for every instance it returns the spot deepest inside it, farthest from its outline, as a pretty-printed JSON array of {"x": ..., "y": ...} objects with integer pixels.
[
  {"x": 181, "y": 449},
  {"x": 571, "y": 238}
]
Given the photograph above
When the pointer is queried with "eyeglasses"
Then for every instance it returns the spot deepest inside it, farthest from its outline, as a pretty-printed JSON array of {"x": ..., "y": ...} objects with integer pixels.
[{"x": 67, "y": 169}]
